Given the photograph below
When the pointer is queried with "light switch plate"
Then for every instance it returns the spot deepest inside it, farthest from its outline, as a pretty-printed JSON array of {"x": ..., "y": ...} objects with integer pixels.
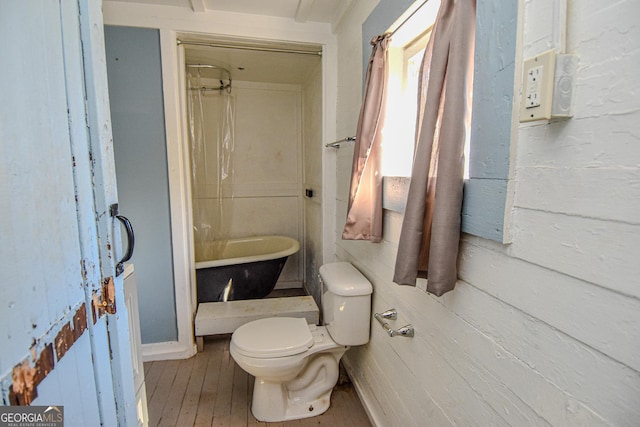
[{"x": 537, "y": 92}]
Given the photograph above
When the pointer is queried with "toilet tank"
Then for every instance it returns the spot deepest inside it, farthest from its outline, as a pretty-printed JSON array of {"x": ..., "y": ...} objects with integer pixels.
[{"x": 346, "y": 303}]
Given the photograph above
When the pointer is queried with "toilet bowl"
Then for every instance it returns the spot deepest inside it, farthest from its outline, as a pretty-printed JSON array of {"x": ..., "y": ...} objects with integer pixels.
[
  {"x": 296, "y": 364},
  {"x": 280, "y": 391}
]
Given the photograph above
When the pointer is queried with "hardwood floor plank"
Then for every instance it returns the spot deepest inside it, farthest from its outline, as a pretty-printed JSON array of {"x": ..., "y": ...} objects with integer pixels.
[
  {"x": 161, "y": 393},
  {"x": 325, "y": 419},
  {"x": 239, "y": 399},
  {"x": 147, "y": 368},
  {"x": 346, "y": 407},
  {"x": 222, "y": 408},
  {"x": 152, "y": 374},
  {"x": 173, "y": 404},
  {"x": 213, "y": 350},
  {"x": 251, "y": 420},
  {"x": 210, "y": 389},
  {"x": 189, "y": 408}
]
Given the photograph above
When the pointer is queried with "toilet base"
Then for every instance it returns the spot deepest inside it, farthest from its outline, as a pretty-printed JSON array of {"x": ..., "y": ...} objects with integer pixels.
[
  {"x": 307, "y": 395},
  {"x": 272, "y": 403}
]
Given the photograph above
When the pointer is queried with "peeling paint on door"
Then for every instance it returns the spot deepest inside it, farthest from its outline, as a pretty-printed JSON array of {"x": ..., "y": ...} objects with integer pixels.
[
  {"x": 23, "y": 390},
  {"x": 105, "y": 300},
  {"x": 27, "y": 375}
]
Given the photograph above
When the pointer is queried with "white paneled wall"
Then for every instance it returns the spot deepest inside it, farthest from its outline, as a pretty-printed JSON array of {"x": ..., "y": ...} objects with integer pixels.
[{"x": 546, "y": 330}]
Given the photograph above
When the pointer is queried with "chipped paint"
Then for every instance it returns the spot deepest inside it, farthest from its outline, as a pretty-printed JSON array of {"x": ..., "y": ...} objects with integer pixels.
[
  {"x": 97, "y": 309},
  {"x": 64, "y": 340},
  {"x": 70, "y": 332},
  {"x": 104, "y": 301},
  {"x": 25, "y": 378},
  {"x": 109, "y": 295},
  {"x": 27, "y": 375},
  {"x": 23, "y": 389},
  {"x": 45, "y": 364},
  {"x": 80, "y": 322}
]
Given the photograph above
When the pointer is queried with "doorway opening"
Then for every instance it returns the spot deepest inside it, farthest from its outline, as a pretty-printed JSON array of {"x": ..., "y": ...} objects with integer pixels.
[{"x": 253, "y": 124}]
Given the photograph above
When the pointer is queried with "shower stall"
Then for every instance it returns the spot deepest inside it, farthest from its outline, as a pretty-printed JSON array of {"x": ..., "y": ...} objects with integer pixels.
[{"x": 254, "y": 146}]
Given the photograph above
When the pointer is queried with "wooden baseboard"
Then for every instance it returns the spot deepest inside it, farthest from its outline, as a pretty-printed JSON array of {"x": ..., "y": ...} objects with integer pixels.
[
  {"x": 170, "y": 350},
  {"x": 366, "y": 397}
]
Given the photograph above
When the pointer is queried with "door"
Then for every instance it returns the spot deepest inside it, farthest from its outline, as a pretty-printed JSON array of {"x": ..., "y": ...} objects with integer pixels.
[{"x": 63, "y": 322}]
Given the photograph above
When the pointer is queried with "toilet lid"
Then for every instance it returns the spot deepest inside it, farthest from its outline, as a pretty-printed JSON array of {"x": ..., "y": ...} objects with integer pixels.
[{"x": 273, "y": 337}]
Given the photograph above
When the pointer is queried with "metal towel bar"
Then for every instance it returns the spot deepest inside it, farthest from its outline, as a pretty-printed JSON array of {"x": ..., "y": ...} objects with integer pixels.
[
  {"x": 336, "y": 144},
  {"x": 405, "y": 331}
]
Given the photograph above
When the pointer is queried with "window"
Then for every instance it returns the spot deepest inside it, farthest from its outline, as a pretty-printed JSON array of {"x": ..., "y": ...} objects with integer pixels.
[
  {"x": 406, "y": 51},
  {"x": 405, "y": 59},
  {"x": 486, "y": 203}
]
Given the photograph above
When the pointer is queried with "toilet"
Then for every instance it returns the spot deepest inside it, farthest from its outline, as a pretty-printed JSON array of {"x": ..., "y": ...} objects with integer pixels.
[{"x": 296, "y": 364}]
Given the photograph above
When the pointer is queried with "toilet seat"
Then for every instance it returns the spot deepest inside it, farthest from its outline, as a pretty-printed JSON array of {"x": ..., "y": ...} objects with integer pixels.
[{"x": 273, "y": 337}]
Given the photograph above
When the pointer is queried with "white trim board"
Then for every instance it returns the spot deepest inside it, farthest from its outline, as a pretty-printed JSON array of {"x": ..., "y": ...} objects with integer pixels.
[
  {"x": 169, "y": 350},
  {"x": 225, "y": 317}
]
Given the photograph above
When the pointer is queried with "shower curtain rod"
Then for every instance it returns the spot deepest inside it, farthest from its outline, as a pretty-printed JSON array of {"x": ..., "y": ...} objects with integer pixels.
[
  {"x": 217, "y": 67},
  {"x": 254, "y": 48}
]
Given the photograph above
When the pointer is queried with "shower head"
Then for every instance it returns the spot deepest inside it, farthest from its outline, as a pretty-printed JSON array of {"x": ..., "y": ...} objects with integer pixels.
[{"x": 217, "y": 72}]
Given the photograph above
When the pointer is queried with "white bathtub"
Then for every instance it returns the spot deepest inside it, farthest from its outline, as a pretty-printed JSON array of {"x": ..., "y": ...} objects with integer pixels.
[{"x": 246, "y": 268}]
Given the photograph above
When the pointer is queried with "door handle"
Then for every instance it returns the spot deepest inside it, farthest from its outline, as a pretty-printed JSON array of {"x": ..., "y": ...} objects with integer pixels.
[{"x": 130, "y": 244}]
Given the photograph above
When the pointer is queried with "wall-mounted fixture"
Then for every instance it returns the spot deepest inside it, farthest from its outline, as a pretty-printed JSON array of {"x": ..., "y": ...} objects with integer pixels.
[
  {"x": 548, "y": 86},
  {"x": 392, "y": 313},
  {"x": 336, "y": 144},
  {"x": 113, "y": 212}
]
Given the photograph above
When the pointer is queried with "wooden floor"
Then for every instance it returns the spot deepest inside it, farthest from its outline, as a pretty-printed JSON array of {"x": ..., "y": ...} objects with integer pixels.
[{"x": 209, "y": 389}]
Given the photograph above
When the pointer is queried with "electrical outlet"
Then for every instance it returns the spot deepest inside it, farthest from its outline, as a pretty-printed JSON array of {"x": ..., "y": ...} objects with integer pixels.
[
  {"x": 532, "y": 92},
  {"x": 537, "y": 97}
]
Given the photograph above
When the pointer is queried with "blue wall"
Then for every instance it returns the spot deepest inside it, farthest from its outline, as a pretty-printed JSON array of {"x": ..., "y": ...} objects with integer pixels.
[
  {"x": 485, "y": 193},
  {"x": 137, "y": 114}
]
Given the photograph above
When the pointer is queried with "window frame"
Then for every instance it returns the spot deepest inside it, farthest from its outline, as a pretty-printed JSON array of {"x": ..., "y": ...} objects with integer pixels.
[{"x": 488, "y": 193}]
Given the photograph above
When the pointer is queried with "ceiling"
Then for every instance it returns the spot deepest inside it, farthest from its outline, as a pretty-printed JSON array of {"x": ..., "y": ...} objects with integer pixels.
[
  {"x": 255, "y": 66},
  {"x": 328, "y": 11},
  {"x": 252, "y": 65}
]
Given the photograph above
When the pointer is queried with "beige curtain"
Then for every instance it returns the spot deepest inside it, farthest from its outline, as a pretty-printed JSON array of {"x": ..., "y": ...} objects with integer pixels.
[
  {"x": 364, "y": 213},
  {"x": 430, "y": 235}
]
